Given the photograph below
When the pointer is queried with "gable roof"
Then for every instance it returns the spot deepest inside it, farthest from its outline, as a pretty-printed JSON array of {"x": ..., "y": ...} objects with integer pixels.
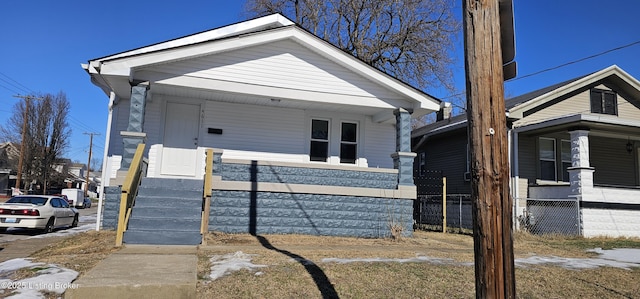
[
  {"x": 243, "y": 35},
  {"x": 254, "y": 25},
  {"x": 614, "y": 74},
  {"x": 516, "y": 106}
]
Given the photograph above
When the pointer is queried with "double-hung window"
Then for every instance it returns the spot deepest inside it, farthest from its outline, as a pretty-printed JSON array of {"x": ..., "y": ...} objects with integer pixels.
[
  {"x": 319, "y": 150},
  {"x": 604, "y": 102},
  {"x": 349, "y": 143},
  {"x": 547, "y": 156},
  {"x": 323, "y": 145}
]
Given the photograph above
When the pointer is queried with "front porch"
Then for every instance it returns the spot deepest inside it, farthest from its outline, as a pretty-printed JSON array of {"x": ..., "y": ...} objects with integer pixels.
[
  {"x": 591, "y": 161},
  {"x": 266, "y": 197}
]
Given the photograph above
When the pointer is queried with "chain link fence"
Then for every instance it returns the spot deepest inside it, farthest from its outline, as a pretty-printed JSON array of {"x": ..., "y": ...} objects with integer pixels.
[
  {"x": 458, "y": 211},
  {"x": 551, "y": 216}
]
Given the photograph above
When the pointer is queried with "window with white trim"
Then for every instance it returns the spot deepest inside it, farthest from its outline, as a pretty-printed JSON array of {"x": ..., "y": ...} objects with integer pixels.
[
  {"x": 553, "y": 162},
  {"x": 319, "y": 149},
  {"x": 547, "y": 158},
  {"x": 349, "y": 142}
]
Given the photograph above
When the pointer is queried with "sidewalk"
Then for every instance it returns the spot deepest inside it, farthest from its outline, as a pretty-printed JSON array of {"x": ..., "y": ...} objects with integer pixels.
[{"x": 141, "y": 271}]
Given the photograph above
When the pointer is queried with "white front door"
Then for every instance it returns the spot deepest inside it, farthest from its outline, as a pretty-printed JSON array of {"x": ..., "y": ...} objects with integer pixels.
[{"x": 181, "y": 128}]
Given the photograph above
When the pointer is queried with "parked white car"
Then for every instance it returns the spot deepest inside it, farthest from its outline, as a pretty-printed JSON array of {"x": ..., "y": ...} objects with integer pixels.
[{"x": 43, "y": 212}]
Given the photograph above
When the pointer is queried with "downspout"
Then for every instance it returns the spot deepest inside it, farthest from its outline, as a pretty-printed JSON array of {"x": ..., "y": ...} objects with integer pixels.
[
  {"x": 515, "y": 177},
  {"x": 106, "y": 177}
]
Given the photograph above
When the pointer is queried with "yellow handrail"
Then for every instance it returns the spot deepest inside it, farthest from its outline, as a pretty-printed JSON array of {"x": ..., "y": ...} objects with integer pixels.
[
  {"x": 206, "y": 196},
  {"x": 129, "y": 192}
]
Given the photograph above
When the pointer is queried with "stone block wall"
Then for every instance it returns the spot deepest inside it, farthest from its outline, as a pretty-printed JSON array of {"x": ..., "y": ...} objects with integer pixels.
[{"x": 311, "y": 214}]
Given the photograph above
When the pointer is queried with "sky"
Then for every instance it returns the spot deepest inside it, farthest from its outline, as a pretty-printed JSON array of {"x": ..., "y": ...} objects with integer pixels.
[{"x": 43, "y": 43}]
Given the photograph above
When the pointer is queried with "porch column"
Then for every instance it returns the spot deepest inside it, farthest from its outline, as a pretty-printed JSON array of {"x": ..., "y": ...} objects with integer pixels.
[
  {"x": 580, "y": 172},
  {"x": 403, "y": 157},
  {"x": 134, "y": 134}
]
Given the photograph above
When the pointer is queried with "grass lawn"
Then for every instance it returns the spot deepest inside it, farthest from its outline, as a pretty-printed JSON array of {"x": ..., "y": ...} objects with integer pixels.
[{"x": 429, "y": 265}]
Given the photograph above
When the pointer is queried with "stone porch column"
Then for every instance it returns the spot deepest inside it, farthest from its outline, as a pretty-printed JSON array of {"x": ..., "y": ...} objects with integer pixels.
[
  {"x": 134, "y": 134},
  {"x": 580, "y": 172},
  {"x": 403, "y": 157}
]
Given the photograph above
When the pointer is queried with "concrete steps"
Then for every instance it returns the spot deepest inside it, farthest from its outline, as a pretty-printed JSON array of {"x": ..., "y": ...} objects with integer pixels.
[{"x": 166, "y": 212}]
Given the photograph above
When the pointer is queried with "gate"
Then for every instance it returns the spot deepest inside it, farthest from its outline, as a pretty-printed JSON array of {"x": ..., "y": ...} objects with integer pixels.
[{"x": 427, "y": 209}]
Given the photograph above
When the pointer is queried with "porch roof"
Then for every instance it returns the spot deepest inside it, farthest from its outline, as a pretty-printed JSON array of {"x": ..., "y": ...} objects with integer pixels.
[{"x": 603, "y": 125}]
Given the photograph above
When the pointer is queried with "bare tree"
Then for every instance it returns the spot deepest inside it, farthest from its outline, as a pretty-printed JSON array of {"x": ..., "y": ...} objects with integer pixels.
[
  {"x": 411, "y": 40},
  {"x": 46, "y": 136}
]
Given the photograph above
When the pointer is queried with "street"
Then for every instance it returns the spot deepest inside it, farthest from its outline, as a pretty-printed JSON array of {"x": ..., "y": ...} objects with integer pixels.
[{"x": 87, "y": 216}]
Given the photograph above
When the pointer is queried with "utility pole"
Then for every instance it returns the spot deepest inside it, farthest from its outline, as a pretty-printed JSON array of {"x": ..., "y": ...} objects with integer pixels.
[
  {"x": 492, "y": 203},
  {"x": 24, "y": 131},
  {"x": 86, "y": 186}
]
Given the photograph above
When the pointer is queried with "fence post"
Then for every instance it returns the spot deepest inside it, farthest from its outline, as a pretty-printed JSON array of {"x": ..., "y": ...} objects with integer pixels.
[
  {"x": 460, "y": 212},
  {"x": 444, "y": 204}
]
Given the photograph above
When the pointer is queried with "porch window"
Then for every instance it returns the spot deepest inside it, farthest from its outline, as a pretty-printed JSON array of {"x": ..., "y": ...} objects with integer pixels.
[
  {"x": 547, "y": 154},
  {"x": 349, "y": 143},
  {"x": 565, "y": 155},
  {"x": 604, "y": 102},
  {"x": 422, "y": 163},
  {"x": 319, "y": 149}
]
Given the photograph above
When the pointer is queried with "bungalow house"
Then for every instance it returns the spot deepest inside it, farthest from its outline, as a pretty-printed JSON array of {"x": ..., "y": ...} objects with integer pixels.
[
  {"x": 573, "y": 153},
  {"x": 306, "y": 138}
]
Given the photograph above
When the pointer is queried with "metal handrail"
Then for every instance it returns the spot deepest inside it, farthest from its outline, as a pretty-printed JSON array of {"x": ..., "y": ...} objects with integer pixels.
[
  {"x": 129, "y": 192},
  {"x": 206, "y": 196}
]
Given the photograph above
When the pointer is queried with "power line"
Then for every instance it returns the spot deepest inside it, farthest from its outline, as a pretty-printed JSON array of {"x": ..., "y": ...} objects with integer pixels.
[
  {"x": 20, "y": 85},
  {"x": 560, "y": 66},
  {"x": 17, "y": 87},
  {"x": 578, "y": 60}
]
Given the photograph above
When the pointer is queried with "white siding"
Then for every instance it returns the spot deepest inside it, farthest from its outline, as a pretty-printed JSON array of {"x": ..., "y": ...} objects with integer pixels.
[
  {"x": 263, "y": 132},
  {"x": 283, "y": 64},
  {"x": 119, "y": 123},
  {"x": 379, "y": 144},
  {"x": 153, "y": 121},
  {"x": 253, "y": 128}
]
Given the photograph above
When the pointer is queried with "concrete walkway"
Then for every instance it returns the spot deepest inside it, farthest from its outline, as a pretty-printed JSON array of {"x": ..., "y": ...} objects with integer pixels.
[{"x": 141, "y": 271}]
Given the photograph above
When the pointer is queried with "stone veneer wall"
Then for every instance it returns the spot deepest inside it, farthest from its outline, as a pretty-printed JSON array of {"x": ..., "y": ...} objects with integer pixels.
[
  {"x": 111, "y": 207},
  {"x": 312, "y": 176},
  {"x": 264, "y": 212},
  {"x": 311, "y": 214}
]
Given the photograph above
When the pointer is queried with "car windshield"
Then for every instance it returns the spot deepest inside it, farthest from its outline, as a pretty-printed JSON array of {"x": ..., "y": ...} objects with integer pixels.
[{"x": 28, "y": 199}]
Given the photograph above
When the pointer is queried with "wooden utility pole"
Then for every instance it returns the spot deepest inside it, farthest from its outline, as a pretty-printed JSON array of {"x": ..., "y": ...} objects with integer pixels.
[
  {"x": 24, "y": 131},
  {"x": 492, "y": 203},
  {"x": 86, "y": 186}
]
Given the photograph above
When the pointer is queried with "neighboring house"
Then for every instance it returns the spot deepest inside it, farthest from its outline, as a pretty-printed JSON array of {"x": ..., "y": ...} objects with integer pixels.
[
  {"x": 8, "y": 161},
  {"x": 316, "y": 139},
  {"x": 574, "y": 140},
  {"x": 77, "y": 169}
]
